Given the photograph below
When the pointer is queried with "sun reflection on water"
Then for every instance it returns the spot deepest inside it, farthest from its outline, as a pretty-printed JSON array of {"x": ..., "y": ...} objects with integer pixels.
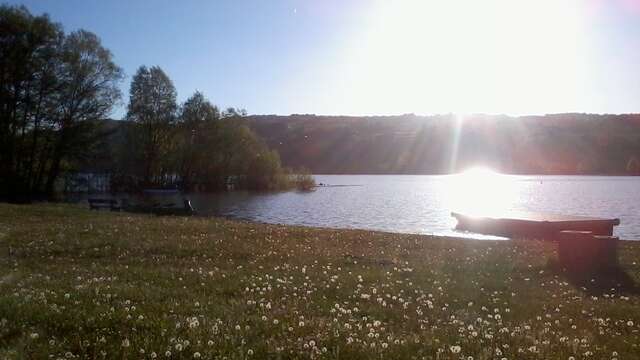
[{"x": 481, "y": 191}]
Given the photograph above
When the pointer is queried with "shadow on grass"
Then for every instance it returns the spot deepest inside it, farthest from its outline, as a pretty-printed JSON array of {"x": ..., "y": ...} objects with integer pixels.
[{"x": 598, "y": 282}]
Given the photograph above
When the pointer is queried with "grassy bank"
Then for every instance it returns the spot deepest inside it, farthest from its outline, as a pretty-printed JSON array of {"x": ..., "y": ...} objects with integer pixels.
[{"x": 81, "y": 284}]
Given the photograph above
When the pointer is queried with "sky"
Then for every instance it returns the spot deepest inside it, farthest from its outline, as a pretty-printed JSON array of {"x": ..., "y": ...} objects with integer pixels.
[{"x": 376, "y": 57}]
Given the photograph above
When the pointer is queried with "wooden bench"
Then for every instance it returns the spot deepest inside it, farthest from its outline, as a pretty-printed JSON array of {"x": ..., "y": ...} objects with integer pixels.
[{"x": 97, "y": 204}]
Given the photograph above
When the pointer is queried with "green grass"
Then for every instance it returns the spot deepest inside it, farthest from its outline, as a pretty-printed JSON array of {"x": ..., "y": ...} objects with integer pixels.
[{"x": 81, "y": 284}]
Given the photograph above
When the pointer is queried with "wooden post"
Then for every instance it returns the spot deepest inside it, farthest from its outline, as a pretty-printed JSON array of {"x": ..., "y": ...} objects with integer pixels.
[
  {"x": 608, "y": 248},
  {"x": 575, "y": 250},
  {"x": 581, "y": 251}
]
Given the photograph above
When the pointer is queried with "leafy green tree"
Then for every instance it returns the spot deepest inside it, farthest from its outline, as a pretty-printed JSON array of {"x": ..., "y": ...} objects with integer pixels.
[
  {"x": 197, "y": 110},
  {"x": 54, "y": 90},
  {"x": 198, "y": 124},
  {"x": 29, "y": 48},
  {"x": 265, "y": 171},
  {"x": 88, "y": 91},
  {"x": 152, "y": 108}
]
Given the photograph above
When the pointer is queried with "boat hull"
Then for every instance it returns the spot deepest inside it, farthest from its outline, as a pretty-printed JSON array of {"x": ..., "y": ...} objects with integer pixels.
[{"x": 534, "y": 226}]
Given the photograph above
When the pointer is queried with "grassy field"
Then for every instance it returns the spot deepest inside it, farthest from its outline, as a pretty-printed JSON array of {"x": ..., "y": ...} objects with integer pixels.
[{"x": 80, "y": 284}]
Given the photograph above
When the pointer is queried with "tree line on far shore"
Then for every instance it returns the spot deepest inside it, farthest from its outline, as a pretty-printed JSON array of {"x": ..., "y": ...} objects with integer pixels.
[
  {"x": 554, "y": 144},
  {"x": 56, "y": 92}
]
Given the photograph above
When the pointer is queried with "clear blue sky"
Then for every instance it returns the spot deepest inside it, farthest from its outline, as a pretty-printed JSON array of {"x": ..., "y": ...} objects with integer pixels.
[{"x": 374, "y": 56}]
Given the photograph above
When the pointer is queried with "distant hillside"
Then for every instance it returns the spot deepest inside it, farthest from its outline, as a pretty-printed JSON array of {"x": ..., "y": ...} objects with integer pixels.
[{"x": 408, "y": 144}]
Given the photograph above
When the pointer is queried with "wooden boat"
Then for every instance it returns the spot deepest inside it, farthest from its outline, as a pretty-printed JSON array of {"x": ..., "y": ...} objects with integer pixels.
[{"x": 533, "y": 225}]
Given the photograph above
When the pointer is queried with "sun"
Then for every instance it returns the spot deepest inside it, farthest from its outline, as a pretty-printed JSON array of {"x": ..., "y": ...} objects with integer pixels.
[{"x": 479, "y": 173}]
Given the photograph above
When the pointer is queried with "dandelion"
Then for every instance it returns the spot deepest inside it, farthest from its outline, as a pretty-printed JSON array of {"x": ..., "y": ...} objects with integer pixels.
[
  {"x": 455, "y": 349},
  {"x": 34, "y": 335},
  {"x": 196, "y": 355},
  {"x": 125, "y": 343},
  {"x": 250, "y": 352}
]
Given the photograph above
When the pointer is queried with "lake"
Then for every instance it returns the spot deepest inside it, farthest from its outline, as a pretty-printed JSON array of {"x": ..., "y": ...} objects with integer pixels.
[{"x": 422, "y": 204}]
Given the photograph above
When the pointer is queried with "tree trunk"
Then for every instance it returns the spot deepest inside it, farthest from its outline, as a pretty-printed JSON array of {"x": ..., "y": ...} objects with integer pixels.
[{"x": 56, "y": 159}]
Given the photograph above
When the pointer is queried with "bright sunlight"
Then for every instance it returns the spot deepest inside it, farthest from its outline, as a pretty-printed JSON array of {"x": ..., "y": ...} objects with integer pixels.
[
  {"x": 481, "y": 191},
  {"x": 492, "y": 56}
]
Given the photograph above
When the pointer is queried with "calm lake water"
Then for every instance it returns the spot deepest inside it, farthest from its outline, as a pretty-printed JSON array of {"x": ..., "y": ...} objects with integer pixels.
[{"x": 422, "y": 204}]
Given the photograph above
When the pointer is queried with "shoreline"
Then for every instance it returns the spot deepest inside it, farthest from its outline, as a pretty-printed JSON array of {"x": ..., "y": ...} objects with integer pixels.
[{"x": 471, "y": 236}]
